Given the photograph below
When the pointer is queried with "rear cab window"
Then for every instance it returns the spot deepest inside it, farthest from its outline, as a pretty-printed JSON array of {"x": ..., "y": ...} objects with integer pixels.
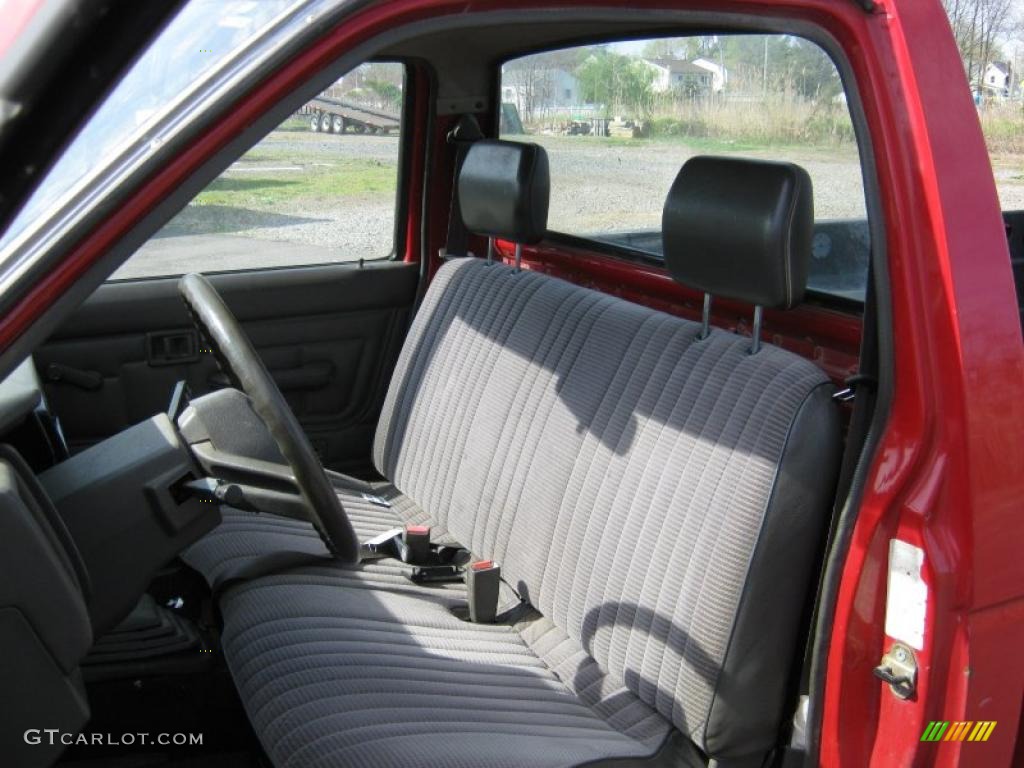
[
  {"x": 619, "y": 120},
  {"x": 999, "y": 110}
]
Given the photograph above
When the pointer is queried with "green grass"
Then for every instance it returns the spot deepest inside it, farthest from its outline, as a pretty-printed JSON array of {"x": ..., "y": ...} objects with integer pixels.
[
  {"x": 302, "y": 145},
  {"x": 1004, "y": 135},
  {"x": 753, "y": 128},
  {"x": 700, "y": 144},
  {"x": 295, "y": 124},
  {"x": 309, "y": 184}
]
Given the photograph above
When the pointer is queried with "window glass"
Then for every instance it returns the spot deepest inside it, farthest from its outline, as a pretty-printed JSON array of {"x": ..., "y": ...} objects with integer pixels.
[
  {"x": 619, "y": 120},
  {"x": 993, "y": 59},
  {"x": 201, "y": 37},
  {"x": 320, "y": 188}
]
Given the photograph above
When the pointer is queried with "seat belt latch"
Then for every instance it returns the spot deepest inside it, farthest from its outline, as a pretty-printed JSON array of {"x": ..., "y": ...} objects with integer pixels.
[
  {"x": 483, "y": 579},
  {"x": 382, "y": 545},
  {"x": 435, "y": 574},
  {"x": 414, "y": 546}
]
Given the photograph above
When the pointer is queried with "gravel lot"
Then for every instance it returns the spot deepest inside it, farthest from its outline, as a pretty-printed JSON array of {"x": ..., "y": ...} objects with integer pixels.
[
  {"x": 602, "y": 187},
  {"x": 1009, "y": 173},
  {"x": 598, "y": 185}
]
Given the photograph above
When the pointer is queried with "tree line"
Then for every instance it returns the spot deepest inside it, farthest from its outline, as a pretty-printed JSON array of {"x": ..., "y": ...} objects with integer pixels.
[
  {"x": 617, "y": 79},
  {"x": 624, "y": 84},
  {"x": 980, "y": 27}
]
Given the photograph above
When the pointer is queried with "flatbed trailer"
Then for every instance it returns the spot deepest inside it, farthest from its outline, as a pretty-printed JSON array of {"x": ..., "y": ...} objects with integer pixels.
[{"x": 327, "y": 115}]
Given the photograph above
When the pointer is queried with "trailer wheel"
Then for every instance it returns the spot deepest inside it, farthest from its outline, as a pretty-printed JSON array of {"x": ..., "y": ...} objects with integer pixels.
[
  {"x": 314, "y": 123},
  {"x": 325, "y": 123},
  {"x": 338, "y": 124}
]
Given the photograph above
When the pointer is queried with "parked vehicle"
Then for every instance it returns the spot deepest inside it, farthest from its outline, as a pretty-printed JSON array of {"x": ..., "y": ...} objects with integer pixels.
[
  {"x": 481, "y": 444},
  {"x": 328, "y": 115}
]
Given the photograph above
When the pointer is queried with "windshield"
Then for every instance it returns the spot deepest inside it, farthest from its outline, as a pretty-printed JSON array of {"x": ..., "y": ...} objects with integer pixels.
[{"x": 200, "y": 37}]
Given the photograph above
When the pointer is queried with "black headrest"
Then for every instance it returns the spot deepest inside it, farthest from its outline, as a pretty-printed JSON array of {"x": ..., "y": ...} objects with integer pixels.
[
  {"x": 740, "y": 229},
  {"x": 504, "y": 189}
]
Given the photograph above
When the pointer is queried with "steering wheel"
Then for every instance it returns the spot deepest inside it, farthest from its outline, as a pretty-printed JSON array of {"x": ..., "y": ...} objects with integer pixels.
[{"x": 236, "y": 355}]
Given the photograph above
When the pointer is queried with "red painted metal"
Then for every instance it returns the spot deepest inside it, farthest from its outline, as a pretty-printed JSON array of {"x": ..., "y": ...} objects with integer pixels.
[
  {"x": 947, "y": 475},
  {"x": 356, "y": 30},
  {"x": 419, "y": 76}
]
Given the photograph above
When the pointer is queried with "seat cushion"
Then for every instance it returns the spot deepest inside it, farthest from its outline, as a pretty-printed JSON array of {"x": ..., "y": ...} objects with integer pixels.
[
  {"x": 248, "y": 544},
  {"x": 333, "y": 675}
]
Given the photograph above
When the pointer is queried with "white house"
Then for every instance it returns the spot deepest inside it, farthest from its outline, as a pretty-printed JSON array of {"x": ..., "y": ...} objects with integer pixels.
[
  {"x": 996, "y": 78},
  {"x": 564, "y": 88},
  {"x": 699, "y": 75},
  {"x": 719, "y": 74},
  {"x": 678, "y": 74},
  {"x": 540, "y": 89}
]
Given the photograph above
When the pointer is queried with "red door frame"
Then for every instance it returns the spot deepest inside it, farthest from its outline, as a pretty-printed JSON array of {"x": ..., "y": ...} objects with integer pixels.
[{"x": 946, "y": 475}]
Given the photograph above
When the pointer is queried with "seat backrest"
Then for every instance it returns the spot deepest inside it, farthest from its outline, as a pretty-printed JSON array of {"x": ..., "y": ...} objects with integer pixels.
[{"x": 659, "y": 496}]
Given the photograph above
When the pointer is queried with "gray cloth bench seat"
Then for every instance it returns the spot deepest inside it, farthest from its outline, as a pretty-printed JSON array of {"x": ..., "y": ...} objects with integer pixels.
[{"x": 657, "y": 495}]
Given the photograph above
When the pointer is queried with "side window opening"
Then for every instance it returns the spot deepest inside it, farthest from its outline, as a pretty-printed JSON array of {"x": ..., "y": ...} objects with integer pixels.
[
  {"x": 318, "y": 189},
  {"x": 618, "y": 120}
]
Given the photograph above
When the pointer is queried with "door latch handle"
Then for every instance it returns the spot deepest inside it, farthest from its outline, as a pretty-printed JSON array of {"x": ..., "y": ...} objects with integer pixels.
[{"x": 89, "y": 380}]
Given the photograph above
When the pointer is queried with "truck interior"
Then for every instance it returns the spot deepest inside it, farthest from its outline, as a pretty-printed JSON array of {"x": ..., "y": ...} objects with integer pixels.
[{"x": 515, "y": 495}]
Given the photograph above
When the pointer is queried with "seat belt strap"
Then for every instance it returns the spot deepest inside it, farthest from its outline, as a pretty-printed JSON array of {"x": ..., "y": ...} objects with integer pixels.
[
  {"x": 862, "y": 389},
  {"x": 462, "y": 136}
]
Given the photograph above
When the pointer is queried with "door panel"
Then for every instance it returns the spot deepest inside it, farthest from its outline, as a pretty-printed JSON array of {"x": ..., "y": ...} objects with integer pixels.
[{"x": 329, "y": 334}]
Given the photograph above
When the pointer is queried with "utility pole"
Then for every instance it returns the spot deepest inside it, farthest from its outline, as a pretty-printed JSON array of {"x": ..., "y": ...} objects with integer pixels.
[
  {"x": 721, "y": 63},
  {"x": 764, "y": 72}
]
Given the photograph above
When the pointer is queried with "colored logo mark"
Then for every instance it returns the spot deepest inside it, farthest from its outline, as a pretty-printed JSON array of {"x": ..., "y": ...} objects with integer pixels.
[{"x": 943, "y": 730}]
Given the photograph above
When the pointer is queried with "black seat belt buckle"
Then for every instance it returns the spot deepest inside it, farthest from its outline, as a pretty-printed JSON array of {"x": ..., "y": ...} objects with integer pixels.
[
  {"x": 435, "y": 574},
  {"x": 414, "y": 545},
  {"x": 483, "y": 579}
]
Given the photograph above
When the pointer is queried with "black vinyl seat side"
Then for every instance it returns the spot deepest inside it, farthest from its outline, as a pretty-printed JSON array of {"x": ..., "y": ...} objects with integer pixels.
[{"x": 44, "y": 622}]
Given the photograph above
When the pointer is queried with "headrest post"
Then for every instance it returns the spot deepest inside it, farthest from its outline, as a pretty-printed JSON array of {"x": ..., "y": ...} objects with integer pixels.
[
  {"x": 519, "y": 255},
  {"x": 490, "y": 249},
  {"x": 705, "y": 326},
  {"x": 755, "y": 345}
]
